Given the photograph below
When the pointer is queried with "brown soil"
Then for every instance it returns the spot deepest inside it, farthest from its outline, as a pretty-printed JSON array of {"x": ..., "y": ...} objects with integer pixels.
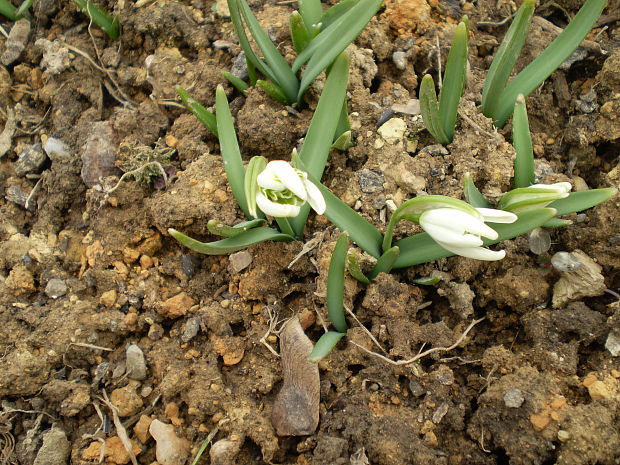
[{"x": 84, "y": 275}]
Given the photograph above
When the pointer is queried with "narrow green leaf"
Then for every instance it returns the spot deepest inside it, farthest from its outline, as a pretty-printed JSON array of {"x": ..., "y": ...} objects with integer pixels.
[
  {"x": 505, "y": 58},
  {"x": 344, "y": 142},
  {"x": 320, "y": 135},
  {"x": 233, "y": 164},
  {"x": 299, "y": 34},
  {"x": 311, "y": 11},
  {"x": 336, "y": 11},
  {"x": 273, "y": 90},
  {"x": 343, "y": 121},
  {"x": 473, "y": 196},
  {"x": 253, "y": 61},
  {"x": 429, "y": 107},
  {"x": 355, "y": 270},
  {"x": 385, "y": 263},
  {"x": 325, "y": 345},
  {"x": 550, "y": 59},
  {"x": 110, "y": 24},
  {"x": 421, "y": 248},
  {"x": 284, "y": 76},
  {"x": 427, "y": 280},
  {"x": 334, "y": 40},
  {"x": 285, "y": 226},
  {"x": 528, "y": 198},
  {"x": 230, "y": 244},
  {"x": 8, "y": 10},
  {"x": 23, "y": 9},
  {"x": 250, "y": 184},
  {"x": 413, "y": 208},
  {"x": 239, "y": 84},
  {"x": 522, "y": 142},
  {"x": 453, "y": 81},
  {"x": 582, "y": 200},
  {"x": 218, "y": 228},
  {"x": 201, "y": 113},
  {"x": 335, "y": 284}
]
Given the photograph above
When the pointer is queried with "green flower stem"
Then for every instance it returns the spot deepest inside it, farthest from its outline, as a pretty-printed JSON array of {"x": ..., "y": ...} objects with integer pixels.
[
  {"x": 522, "y": 142},
  {"x": 285, "y": 226},
  {"x": 335, "y": 284},
  {"x": 325, "y": 345},
  {"x": 299, "y": 33},
  {"x": 421, "y": 248},
  {"x": 233, "y": 164}
]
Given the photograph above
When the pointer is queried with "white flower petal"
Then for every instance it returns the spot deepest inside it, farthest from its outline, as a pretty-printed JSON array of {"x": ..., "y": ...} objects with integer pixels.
[
  {"x": 497, "y": 216},
  {"x": 287, "y": 175},
  {"x": 560, "y": 187},
  {"x": 448, "y": 236},
  {"x": 458, "y": 220},
  {"x": 276, "y": 209},
  {"x": 268, "y": 180},
  {"x": 315, "y": 198},
  {"x": 477, "y": 253}
]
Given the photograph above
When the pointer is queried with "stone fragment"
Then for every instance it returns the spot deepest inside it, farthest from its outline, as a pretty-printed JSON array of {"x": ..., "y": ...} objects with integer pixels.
[
  {"x": 176, "y": 306},
  {"x": 135, "y": 363},
  {"x": 191, "y": 328},
  {"x": 400, "y": 60},
  {"x": 127, "y": 400},
  {"x": 584, "y": 279},
  {"x": 114, "y": 453},
  {"x": 55, "y": 56},
  {"x": 224, "y": 451},
  {"x": 31, "y": 160},
  {"x": 513, "y": 398},
  {"x": 370, "y": 181},
  {"x": 55, "y": 449},
  {"x": 612, "y": 344},
  {"x": 16, "y": 42},
  {"x": 540, "y": 420},
  {"x": 55, "y": 288},
  {"x": 141, "y": 429},
  {"x": 20, "y": 281},
  {"x": 170, "y": 449},
  {"x": 598, "y": 390},
  {"x": 99, "y": 154},
  {"x": 393, "y": 131},
  {"x": 239, "y": 261},
  {"x": 108, "y": 298}
]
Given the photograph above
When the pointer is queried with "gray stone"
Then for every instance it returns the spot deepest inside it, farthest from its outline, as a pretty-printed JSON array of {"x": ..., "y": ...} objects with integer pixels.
[
  {"x": 613, "y": 343},
  {"x": 170, "y": 449},
  {"x": 239, "y": 261},
  {"x": 99, "y": 154},
  {"x": 16, "y": 42},
  {"x": 370, "y": 181},
  {"x": 400, "y": 59},
  {"x": 192, "y": 326},
  {"x": 514, "y": 398},
  {"x": 136, "y": 363},
  {"x": 55, "y": 449},
  {"x": 55, "y": 288},
  {"x": 16, "y": 195},
  {"x": 31, "y": 160},
  {"x": 240, "y": 67}
]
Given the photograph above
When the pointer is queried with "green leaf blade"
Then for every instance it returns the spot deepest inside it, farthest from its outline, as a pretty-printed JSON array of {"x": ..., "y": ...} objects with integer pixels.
[
  {"x": 311, "y": 11},
  {"x": 325, "y": 345},
  {"x": 582, "y": 200},
  {"x": 230, "y": 244},
  {"x": 385, "y": 262},
  {"x": 335, "y": 284},
  {"x": 429, "y": 107},
  {"x": 473, "y": 196},
  {"x": 522, "y": 142}
]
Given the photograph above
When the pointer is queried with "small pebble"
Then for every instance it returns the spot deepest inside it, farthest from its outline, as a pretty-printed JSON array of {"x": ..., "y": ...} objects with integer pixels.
[
  {"x": 16, "y": 42},
  {"x": 136, "y": 363},
  {"x": 612, "y": 344},
  {"x": 55, "y": 288},
  {"x": 191, "y": 328},
  {"x": 400, "y": 59},
  {"x": 55, "y": 449},
  {"x": 370, "y": 181},
  {"x": 513, "y": 398},
  {"x": 239, "y": 261},
  {"x": 598, "y": 390},
  {"x": 563, "y": 435},
  {"x": 170, "y": 449},
  {"x": 31, "y": 160}
]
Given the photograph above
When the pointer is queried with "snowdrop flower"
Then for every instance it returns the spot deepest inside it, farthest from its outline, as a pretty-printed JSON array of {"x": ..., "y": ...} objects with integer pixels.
[
  {"x": 534, "y": 196},
  {"x": 460, "y": 231},
  {"x": 282, "y": 190}
]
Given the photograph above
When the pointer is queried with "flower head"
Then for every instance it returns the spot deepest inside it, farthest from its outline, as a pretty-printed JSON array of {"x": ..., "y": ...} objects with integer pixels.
[
  {"x": 460, "y": 230},
  {"x": 534, "y": 196},
  {"x": 282, "y": 190}
]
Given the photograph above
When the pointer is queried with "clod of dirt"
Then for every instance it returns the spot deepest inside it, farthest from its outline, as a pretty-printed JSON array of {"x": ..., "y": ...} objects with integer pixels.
[
  {"x": 135, "y": 364},
  {"x": 460, "y": 297},
  {"x": 6, "y": 136},
  {"x": 141, "y": 429},
  {"x": 224, "y": 451},
  {"x": 296, "y": 409},
  {"x": 176, "y": 306},
  {"x": 584, "y": 279},
  {"x": 170, "y": 449},
  {"x": 55, "y": 449},
  {"x": 393, "y": 131},
  {"x": 16, "y": 42},
  {"x": 55, "y": 56},
  {"x": 127, "y": 400},
  {"x": 114, "y": 453},
  {"x": 99, "y": 154}
]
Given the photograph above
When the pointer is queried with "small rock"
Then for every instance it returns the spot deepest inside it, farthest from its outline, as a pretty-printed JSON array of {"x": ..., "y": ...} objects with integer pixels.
[
  {"x": 141, "y": 429},
  {"x": 55, "y": 449},
  {"x": 221, "y": 8},
  {"x": 99, "y": 154},
  {"x": 412, "y": 107},
  {"x": 435, "y": 150},
  {"x": 514, "y": 398},
  {"x": 239, "y": 261},
  {"x": 177, "y": 306},
  {"x": 416, "y": 388},
  {"x": 18, "y": 196},
  {"x": 393, "y": 131},
  {"x": 108, "y": 298},
  {"x": 135, "y": 364},
  {"x": 224, "y": 451},
  {"x": 20, "y": 281},
  {"x": 598, "y": 390},
  {"x": 222, "y": 44},
  {"x": 127, "y": 400},
  {"x": 240, "y": 67},
  {"x": 612, "y": 344},
  {"x": 170, "y": 449},
  {"x": 583, "y": 280},
  {"x": 16, "y": 42},
  {"x": 540, "y": 420},
  {"x": 440, "y": 413},
  {"x": 231, "y": 349},
  {"x": 31, "y": 160},
  {"x": 563, "y": 435},
  {"x": 370, "y": 181},
  {"x": 115, "y": 452},
  {"x": 55, "y": 288},
  {"x": 191, "y": 328},
  {"x": 56, "y": 149},
  {"x": 55, "y": 56},
  {"x": 400, "y": 60}
]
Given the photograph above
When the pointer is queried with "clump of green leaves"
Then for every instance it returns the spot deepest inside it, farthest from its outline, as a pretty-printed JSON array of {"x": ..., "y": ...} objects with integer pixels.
[
  {"x": 110, "y": 24},
  {"x": 440, "y": 116},
  {"x": 498, "y": 98}
]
